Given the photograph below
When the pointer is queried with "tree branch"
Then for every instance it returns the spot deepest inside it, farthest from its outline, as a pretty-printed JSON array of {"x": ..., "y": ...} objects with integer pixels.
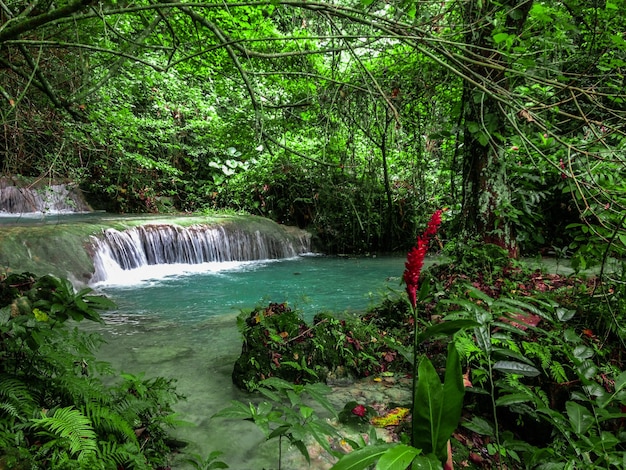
[{"x": 40, "y": 20}]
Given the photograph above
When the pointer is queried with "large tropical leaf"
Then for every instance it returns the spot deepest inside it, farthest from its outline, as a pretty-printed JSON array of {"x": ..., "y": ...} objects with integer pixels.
[
  {"x": 436, "y": 407},
  {"x": 397, "y": 458},
  {"x": 361, "y": 458}
]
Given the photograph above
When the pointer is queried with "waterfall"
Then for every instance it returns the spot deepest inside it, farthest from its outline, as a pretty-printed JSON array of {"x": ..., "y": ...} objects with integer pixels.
[
  {"x": 47, "y": 199},
  {"x": 171, "y": 244}
]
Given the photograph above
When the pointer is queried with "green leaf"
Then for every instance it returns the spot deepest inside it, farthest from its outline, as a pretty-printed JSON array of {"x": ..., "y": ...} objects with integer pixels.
[
  {"x": 500, "y": 37},
  {"x": 579, "y": 417},
  {"x": 426, "y": 462},
  {"x": 445, "y": 328},
  {"x": 480, "y": 426},
  {"x": 279, "y": 431},
  {"x": 582, "y": 352},
  {"x": 318, "y": 392},
  {"x": 361, "y": 458},
  {"x": 237, "y": 410},
  {"x": 514, "y": 367},
  {"x": 321, "y": 431},
  {"x": 436, "y": 407},
  {"x": 564, "y": 314},
  {"x": 264, "y": 408},
  {"x": 303, "y": 450},
  {"x": 306, "y": 412},
  {"x": 397, "y": 458},
  {"x": 270, "y": 394},
  {"x": 427, "y": 405},
  {"x": 508, "y": 353},
  {"x": 512, "y": 399},
  {"x": 454, "y": 392}
]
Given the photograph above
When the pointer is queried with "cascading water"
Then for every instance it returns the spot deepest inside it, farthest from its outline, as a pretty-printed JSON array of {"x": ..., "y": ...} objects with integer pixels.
[
  {"x": 55, "y": 198},
  {"x": 148, "y": 245}
]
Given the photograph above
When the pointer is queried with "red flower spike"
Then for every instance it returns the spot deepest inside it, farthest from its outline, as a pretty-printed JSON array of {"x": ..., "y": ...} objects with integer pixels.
[
  {"x": 415, "y": 257},
  {"x": 433, "y": 224}
]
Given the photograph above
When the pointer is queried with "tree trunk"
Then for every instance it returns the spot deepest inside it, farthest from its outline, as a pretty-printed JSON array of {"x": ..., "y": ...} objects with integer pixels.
[{"x": 486, "y": 192}]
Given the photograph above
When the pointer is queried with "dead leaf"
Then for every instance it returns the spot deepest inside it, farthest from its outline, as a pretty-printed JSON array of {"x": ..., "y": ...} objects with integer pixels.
[{"x": 525, "y": 114}]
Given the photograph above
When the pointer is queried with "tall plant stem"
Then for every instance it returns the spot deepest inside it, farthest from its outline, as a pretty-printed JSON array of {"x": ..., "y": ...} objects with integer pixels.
[
  {"x": 494, "y": 409},
  {"x": 415, "y": 368}
]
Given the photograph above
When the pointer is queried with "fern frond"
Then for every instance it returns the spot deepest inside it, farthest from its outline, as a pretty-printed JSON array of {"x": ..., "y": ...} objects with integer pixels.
[
  {"x": 558, "y": 372},
  {"x": 72, "y": 425},
  {"x": 17, "y": 394},
  {"x": 9, "y": 410},
  {"x": 132, "y": 408},
  {"x": 112, "y": 452},
  {"x": 106, "y": 421},
  {"x": 75, "y": 389},
  {"x": 467, "y": 347}
]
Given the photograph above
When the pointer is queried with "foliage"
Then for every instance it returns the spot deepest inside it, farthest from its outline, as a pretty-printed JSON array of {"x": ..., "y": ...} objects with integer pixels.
[
  {"x": 353, "y": 119},
  {"x": 278, "y": 343},
  {"x": 210, "y": 463},
  {"x": 55, "y": 412},
  {"x": 538, "y": 373},
  {"x": 543, "y": 387},
  {"x": 278, "y": 109},
  {"x": 287, "y": 414},
  {"x": 437, "y": 407}
]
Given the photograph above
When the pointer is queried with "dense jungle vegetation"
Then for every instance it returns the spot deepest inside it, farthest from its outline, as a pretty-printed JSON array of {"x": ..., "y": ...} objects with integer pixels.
[
  {"x": 353, "y": 119},
  {"x": 356, "y": 120}
]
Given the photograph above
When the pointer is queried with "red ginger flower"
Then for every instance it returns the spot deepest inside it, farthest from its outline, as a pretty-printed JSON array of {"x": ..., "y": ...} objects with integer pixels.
[
  {"x": 415, "y": 257},
  {"x": 433, "y": 224}
]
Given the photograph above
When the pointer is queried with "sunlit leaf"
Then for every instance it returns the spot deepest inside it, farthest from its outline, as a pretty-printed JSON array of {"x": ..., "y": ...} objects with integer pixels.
[
  {"x": 398, "y": 457},
  {"x": 500, "y": 37},
  {"x": 361, "y": 458}
]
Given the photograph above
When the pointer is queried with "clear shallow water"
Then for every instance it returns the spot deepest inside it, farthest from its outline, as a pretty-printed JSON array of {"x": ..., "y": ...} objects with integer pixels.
[
  {"x": 309, "y": 283},
  {"x": 180, "y": 322}
]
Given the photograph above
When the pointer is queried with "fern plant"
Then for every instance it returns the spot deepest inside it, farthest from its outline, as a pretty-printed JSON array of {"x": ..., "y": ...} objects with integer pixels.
[
  {"x": 55, "y": 411},
  {"x": 70, "y": 428}
]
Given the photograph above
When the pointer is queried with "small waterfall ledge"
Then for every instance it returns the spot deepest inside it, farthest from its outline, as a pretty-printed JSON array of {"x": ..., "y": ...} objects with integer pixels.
[
  {"x": 156, "y": 244},
  {"x": 88, "y": 248}
]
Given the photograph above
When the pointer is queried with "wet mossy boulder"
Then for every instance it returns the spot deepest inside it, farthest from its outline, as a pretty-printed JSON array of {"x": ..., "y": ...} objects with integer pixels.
[{"x": 277, "y": 342}]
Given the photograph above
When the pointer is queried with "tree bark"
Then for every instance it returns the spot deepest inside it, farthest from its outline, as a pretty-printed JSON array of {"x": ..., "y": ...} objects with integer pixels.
[{"x": 485, "y": 188}]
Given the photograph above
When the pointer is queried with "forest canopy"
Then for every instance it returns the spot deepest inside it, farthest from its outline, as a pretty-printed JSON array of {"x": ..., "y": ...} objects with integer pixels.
[{"x": 352, "y": 118}]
